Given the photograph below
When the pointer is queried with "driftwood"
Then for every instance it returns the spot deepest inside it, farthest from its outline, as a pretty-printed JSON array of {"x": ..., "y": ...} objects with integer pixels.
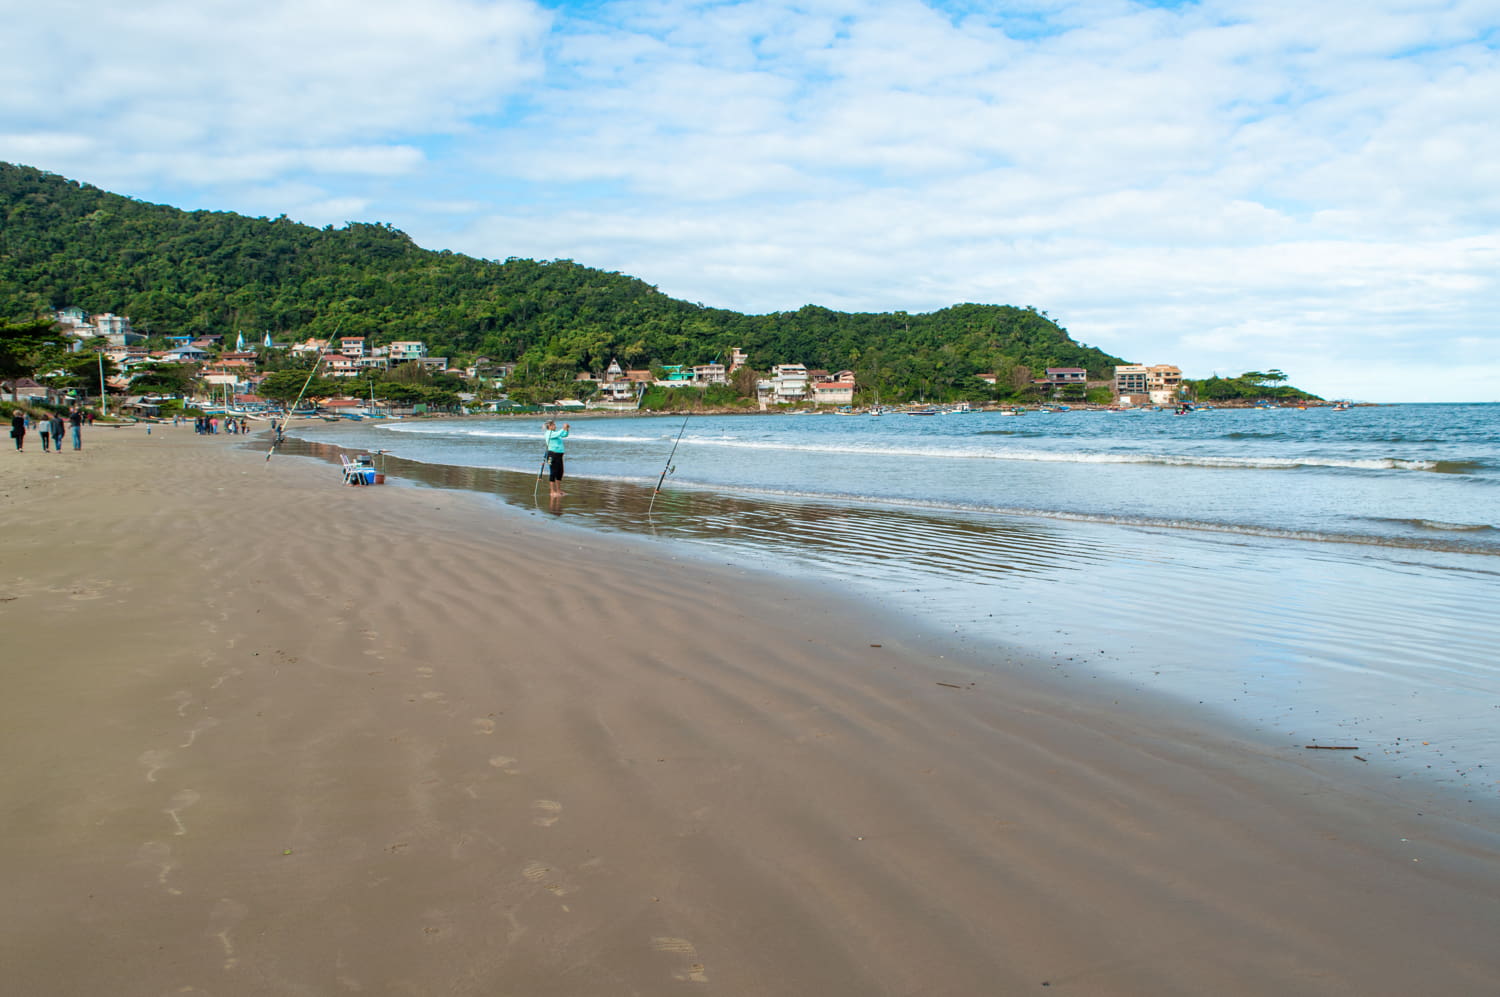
[
  {"x": 950, "y": 685},
  {"x": 1331, "y": 747}
]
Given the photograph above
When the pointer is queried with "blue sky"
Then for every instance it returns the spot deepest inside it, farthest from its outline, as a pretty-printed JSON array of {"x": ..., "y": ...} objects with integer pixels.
[{"x": 1221, "y": 185}]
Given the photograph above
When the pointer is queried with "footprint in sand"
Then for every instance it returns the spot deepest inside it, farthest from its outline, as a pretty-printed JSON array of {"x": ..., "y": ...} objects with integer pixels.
[
  {"x": 547, "y": 812},
  {"x": 547, "y": 878},
  {"x": 154, "y": 761},
  {"x": 226, "y": 915},
  {"x": 158, "y": 856},
  {"x": 483, "y": 725},
  {"x": 693, "y": 972},
  {"x": 207, "y": 723},
  {"x": 232, "y": 673},
  {"x": 180, "y": 802},
  {"x": 506, "y": 764}
]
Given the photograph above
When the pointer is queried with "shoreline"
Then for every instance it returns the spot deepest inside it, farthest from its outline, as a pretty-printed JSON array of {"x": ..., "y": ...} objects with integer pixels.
[{"x": 406, "y": 737}]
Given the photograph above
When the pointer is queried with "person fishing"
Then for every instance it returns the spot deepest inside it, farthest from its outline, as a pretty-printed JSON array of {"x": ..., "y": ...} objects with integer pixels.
[{"x": 555, "y": 449}]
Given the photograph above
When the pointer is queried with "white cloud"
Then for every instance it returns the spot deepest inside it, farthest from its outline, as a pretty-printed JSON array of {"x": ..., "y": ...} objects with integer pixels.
[{"x": 285, "y": 85}]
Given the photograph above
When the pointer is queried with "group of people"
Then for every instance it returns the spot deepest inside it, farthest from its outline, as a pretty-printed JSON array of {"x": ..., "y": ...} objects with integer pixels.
[
  {"x": 208, "y": 425},
  {"x": 51, "y": 426}
]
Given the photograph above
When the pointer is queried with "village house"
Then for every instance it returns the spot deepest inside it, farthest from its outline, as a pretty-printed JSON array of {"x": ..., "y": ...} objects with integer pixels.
[
  {"x": 1139, "y": 384},
  {"x": 183, "y": 354},
  {"x": 352, "y": 346},
  {"x": 835, "y": 390},
  {"x": 710, "y": 373},
  {"x": 786, "y": 386},
  {"x": 311, "y": 345},
  {"x": 114, "y": 328},
  {"x": 339, "y": 365},
  {"x": 1059, "y": 377},
  {"x": 25, "y": 391},
  {"x": 406, "y": 351}
]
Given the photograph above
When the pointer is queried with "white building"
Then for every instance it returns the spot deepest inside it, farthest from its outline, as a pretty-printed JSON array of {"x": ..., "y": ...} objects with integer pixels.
[
  {"x": 404, "y": 352},
  {"x": 788, "y": 383},
  {"x": 709, "y": 373}
]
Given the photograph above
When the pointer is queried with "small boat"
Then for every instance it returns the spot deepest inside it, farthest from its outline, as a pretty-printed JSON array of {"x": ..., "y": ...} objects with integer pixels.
[{"x": 923, "y": 411}]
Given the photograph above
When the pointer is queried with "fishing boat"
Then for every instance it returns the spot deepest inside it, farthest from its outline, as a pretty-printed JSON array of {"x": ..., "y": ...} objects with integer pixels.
[{"x": 922, "y": 411}]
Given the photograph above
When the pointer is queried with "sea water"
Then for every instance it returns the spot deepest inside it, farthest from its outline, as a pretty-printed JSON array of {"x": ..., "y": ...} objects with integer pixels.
[{"x": 1325, "y": 576}]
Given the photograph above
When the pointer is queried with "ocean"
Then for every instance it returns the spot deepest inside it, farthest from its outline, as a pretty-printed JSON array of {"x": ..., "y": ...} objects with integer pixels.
[{"x": 1318, "y": 577}]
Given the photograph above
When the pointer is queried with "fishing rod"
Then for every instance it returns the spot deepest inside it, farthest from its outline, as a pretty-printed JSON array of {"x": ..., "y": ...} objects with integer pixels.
[
  {"x": 276, "y": 437},
  {"x": 546, "y": 459},
  {"x": 668, "y": 469}
]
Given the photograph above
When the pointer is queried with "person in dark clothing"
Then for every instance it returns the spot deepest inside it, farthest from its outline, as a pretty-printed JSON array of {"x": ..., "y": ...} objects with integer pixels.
[{"x": 18, "y": 428}]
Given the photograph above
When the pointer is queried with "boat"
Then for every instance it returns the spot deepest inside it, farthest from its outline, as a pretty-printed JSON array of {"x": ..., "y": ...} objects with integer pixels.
[{"x": 922, "y": 411}]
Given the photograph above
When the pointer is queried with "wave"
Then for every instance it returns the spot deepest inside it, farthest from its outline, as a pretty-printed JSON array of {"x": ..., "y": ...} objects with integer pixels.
[
  {"x": 879, "y": 449},
  {"x": 1436, "y": 524},
  {"x": 438, "y": 429},
  {"x": 1257, "y": 436}
]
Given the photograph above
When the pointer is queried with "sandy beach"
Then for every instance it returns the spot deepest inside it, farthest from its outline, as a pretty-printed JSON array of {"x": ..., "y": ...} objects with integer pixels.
[{"x": 264, "y": 734}]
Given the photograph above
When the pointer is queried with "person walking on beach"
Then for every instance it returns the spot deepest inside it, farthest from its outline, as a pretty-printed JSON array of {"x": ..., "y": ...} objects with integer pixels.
[
  {"x": 75, "y": 418},
  {"x": 55, "y": 420},
  {"x": 555, "y": 448},
  {"x": 45, "y": 428},
  {"x": 18, "y": 429}
]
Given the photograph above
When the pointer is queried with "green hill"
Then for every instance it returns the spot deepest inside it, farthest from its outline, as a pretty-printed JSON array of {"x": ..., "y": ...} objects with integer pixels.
[{"x": 177, "y": 272}]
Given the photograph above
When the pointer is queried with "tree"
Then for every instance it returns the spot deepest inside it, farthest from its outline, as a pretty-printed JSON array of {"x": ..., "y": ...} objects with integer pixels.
[
  {"x": 20, "y": 342},
  {"x": 285, "y": 386},
  {"x": 163, "y": 379}
]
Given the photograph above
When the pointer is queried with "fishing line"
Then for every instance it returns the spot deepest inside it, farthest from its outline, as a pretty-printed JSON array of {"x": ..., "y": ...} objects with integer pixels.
[
  {"x": 276, "y": 438},
  {"x": 668, "y": 469}
]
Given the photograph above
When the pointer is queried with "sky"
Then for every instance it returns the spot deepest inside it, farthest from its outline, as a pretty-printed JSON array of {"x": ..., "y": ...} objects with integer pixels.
[{"x": 1225, "y": 185}]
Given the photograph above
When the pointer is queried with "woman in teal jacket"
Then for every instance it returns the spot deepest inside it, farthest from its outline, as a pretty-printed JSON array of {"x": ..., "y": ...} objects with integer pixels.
[{"x": 555, "y": 448}]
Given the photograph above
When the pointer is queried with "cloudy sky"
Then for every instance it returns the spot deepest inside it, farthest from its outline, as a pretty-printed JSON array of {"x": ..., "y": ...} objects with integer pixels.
[{"x": 1225, "y": 185}]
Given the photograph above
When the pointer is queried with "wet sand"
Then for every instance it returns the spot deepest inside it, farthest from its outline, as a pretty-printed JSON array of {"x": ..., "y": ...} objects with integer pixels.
[{"x": 265, "y": 734}]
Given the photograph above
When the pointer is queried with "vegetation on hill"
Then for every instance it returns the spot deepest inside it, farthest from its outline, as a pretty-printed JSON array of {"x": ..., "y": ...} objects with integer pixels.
[
  {"x": 172, "y": 272},
  {"x": 1253, "y": 385}
]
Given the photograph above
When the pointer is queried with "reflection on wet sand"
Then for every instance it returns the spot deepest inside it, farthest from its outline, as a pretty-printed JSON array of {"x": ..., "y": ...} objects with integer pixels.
[{"x": 843, "y": 538}]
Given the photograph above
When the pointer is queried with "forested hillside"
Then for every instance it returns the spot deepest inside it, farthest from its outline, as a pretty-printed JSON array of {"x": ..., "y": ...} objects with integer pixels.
[{"x": 176, "y": 272}]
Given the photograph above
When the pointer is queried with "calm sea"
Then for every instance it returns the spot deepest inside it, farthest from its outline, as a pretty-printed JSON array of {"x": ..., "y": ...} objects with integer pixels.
[{"x": 1326, "y": 577}]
